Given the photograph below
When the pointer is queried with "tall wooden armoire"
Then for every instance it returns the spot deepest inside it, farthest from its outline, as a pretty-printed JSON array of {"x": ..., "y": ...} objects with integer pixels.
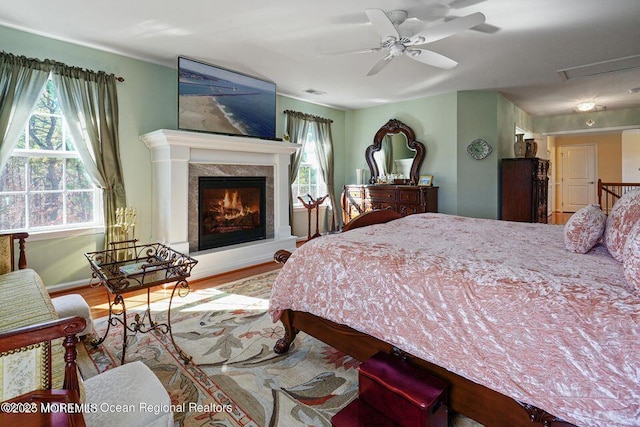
[{"x": 525, "y": 184}]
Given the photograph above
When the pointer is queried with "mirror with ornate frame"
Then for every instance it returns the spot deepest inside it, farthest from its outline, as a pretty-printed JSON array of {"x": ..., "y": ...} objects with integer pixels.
[{"x": 386, "y": 138}]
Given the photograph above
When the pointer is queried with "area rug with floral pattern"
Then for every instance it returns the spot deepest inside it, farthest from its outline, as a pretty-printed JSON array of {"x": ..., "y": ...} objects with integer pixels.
[{"x": 235, "y": 378}]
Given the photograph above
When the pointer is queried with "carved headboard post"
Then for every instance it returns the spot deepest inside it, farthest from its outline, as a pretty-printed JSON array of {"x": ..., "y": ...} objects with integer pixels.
[{"x": 281, "y": 256}]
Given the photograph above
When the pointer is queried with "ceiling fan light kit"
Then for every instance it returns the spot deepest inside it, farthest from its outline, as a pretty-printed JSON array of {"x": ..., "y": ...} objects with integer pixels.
[{"x": 396, "y": 41}]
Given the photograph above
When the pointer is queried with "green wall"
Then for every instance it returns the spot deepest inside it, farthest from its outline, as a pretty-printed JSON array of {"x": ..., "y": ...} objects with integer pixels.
[{"x": 477, "y": 118}]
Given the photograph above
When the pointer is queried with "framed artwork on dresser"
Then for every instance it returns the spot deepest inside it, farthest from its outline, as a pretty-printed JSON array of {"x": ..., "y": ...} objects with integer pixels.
[{"x": 426, "y": 180}]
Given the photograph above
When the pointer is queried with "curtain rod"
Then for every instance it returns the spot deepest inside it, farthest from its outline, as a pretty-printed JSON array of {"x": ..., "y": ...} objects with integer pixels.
[
  {"x": 307, "y": 116},
  {"x": 53, "y": 62}
]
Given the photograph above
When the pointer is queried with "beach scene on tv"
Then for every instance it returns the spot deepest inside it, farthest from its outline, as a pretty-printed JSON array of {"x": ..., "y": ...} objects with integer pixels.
[{"x": 213, "y": 99}]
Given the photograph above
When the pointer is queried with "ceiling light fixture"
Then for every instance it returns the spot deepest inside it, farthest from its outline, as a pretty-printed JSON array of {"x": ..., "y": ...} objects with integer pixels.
[
  {"x": 589, "y": 107},
  {"x": 586, "y": 106}
]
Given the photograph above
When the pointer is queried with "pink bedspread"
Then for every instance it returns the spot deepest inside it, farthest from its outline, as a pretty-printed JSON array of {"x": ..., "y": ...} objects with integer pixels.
[{"x": 500, "y": 303}]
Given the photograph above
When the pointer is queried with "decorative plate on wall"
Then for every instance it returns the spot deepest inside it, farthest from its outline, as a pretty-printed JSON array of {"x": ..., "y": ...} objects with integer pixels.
[{"x": 479, "y": 149}]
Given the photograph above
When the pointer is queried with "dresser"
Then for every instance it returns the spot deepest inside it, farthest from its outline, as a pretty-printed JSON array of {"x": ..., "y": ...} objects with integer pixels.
[
  {"x": 404, "y": 199},
  {"x": 525, "y": 183}
]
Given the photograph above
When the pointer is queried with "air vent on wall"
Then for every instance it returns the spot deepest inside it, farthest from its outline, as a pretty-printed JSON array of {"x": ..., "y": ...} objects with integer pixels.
[{"x": 598, "y": 68}]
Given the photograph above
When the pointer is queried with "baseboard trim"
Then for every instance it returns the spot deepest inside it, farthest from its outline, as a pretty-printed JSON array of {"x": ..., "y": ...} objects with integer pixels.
[{"x": 68, "y": 286}]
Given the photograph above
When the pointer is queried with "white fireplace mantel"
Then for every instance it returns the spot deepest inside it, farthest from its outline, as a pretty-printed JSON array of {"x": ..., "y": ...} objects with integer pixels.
[{"x": 171, "y": 153}]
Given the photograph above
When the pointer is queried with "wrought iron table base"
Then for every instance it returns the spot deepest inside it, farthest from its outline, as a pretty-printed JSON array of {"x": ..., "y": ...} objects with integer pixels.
[{"x": 140, "y": 322}]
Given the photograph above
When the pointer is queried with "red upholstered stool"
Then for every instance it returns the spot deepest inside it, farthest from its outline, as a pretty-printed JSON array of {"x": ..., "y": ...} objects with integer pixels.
[
  {"x": 403, "y": 393},
  {"x": 359, "y": 414}
]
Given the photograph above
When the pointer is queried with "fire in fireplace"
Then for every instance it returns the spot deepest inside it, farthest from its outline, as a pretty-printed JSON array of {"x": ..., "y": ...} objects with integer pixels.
[{"x": 231, "y": 210}]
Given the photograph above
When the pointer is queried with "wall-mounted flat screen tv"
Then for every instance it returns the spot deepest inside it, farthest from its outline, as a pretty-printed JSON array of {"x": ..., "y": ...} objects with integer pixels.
[{"x": 217, "y": 100}]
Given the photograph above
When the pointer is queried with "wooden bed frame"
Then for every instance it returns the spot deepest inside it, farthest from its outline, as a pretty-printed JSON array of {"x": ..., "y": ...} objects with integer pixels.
[{"x": 466, "y": 397}]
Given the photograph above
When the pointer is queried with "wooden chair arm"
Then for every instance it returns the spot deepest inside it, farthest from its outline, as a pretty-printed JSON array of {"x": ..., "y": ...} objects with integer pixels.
[{"x": 66, "y": 328}]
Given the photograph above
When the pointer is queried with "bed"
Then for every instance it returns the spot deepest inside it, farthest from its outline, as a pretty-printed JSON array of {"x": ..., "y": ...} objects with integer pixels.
[{"x": 523, "y": 329}]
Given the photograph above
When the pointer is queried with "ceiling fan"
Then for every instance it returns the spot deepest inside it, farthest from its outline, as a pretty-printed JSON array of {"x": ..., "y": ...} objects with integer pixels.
[{"x": 397, "y": 42}]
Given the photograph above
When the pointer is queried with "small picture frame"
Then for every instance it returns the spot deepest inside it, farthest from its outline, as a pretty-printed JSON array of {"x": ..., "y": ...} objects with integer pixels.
[{"x": 426, "y": 180}]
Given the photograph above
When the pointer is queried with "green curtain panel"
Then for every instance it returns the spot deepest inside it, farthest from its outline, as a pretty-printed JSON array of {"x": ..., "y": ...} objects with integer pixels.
[
  {"x": 21, "y": 82},
  {"x": 325, "y": 158},
  {"x": 89, "y": 101},
  {"x": 296, "y": 127}
]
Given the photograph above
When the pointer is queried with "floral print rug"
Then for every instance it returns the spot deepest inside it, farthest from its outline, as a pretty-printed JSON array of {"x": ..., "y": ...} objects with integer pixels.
[{"x": 235, "y": 378}]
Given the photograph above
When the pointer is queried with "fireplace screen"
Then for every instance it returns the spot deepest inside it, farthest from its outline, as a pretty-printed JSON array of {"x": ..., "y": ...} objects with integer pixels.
[{"x": 231, "y": 211}]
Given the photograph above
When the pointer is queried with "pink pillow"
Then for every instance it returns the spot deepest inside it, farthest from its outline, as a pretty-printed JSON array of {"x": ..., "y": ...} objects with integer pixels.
[
  {"x": 623, "y": 216},
  {"x": 632, "y": 259},
  {"x": 584, "y": 229}
]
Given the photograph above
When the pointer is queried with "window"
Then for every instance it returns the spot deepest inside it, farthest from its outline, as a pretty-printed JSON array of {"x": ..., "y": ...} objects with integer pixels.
[
  {"x": 309, "y": 180},
  {"x": 44, "y": 185}
]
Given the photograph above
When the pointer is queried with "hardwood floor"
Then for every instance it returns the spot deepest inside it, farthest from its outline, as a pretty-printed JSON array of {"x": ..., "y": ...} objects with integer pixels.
[
  {"x": 560, "y": 217},
  {"x": 97, "y": 299}
]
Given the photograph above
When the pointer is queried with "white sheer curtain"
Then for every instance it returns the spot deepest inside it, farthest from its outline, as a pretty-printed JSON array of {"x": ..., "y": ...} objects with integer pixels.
[{"x": 90, "y": 104}]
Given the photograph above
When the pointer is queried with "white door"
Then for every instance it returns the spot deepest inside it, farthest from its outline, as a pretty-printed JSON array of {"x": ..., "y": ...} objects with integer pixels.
[{"x": 578, "y": 176}]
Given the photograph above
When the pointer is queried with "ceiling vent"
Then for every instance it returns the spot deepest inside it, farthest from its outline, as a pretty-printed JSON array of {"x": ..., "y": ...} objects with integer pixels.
[
  {"x": 315, "y": 92},
  {"x": 599, "y": 68}
]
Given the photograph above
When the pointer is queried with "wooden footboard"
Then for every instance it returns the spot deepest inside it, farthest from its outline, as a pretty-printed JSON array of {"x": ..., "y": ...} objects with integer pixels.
[{"x": 466, "y": 397}]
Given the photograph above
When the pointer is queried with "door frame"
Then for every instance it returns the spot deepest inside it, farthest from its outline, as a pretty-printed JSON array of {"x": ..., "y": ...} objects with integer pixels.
[{"x": 560, "y": 166}]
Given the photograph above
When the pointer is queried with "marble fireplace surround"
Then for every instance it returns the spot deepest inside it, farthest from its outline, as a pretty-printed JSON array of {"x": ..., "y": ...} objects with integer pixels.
[{"x": 179, "y": 157}]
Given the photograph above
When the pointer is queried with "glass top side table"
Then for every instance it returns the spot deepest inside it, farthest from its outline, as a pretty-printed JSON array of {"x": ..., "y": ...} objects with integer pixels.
[{"x": 127, "y": 267}]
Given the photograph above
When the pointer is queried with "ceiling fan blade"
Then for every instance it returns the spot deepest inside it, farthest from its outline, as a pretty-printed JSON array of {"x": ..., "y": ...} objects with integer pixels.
[
  {"x": 347, "y": 52},
  {"x": 446, "y": 29},
  {"x": 460, "y": 4},
  {"x": 483, "y": 28},
  {"x": 431, "y": 58},
  {"x": 382, "y": 23},
  {"x": 383, "y": 62}
]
